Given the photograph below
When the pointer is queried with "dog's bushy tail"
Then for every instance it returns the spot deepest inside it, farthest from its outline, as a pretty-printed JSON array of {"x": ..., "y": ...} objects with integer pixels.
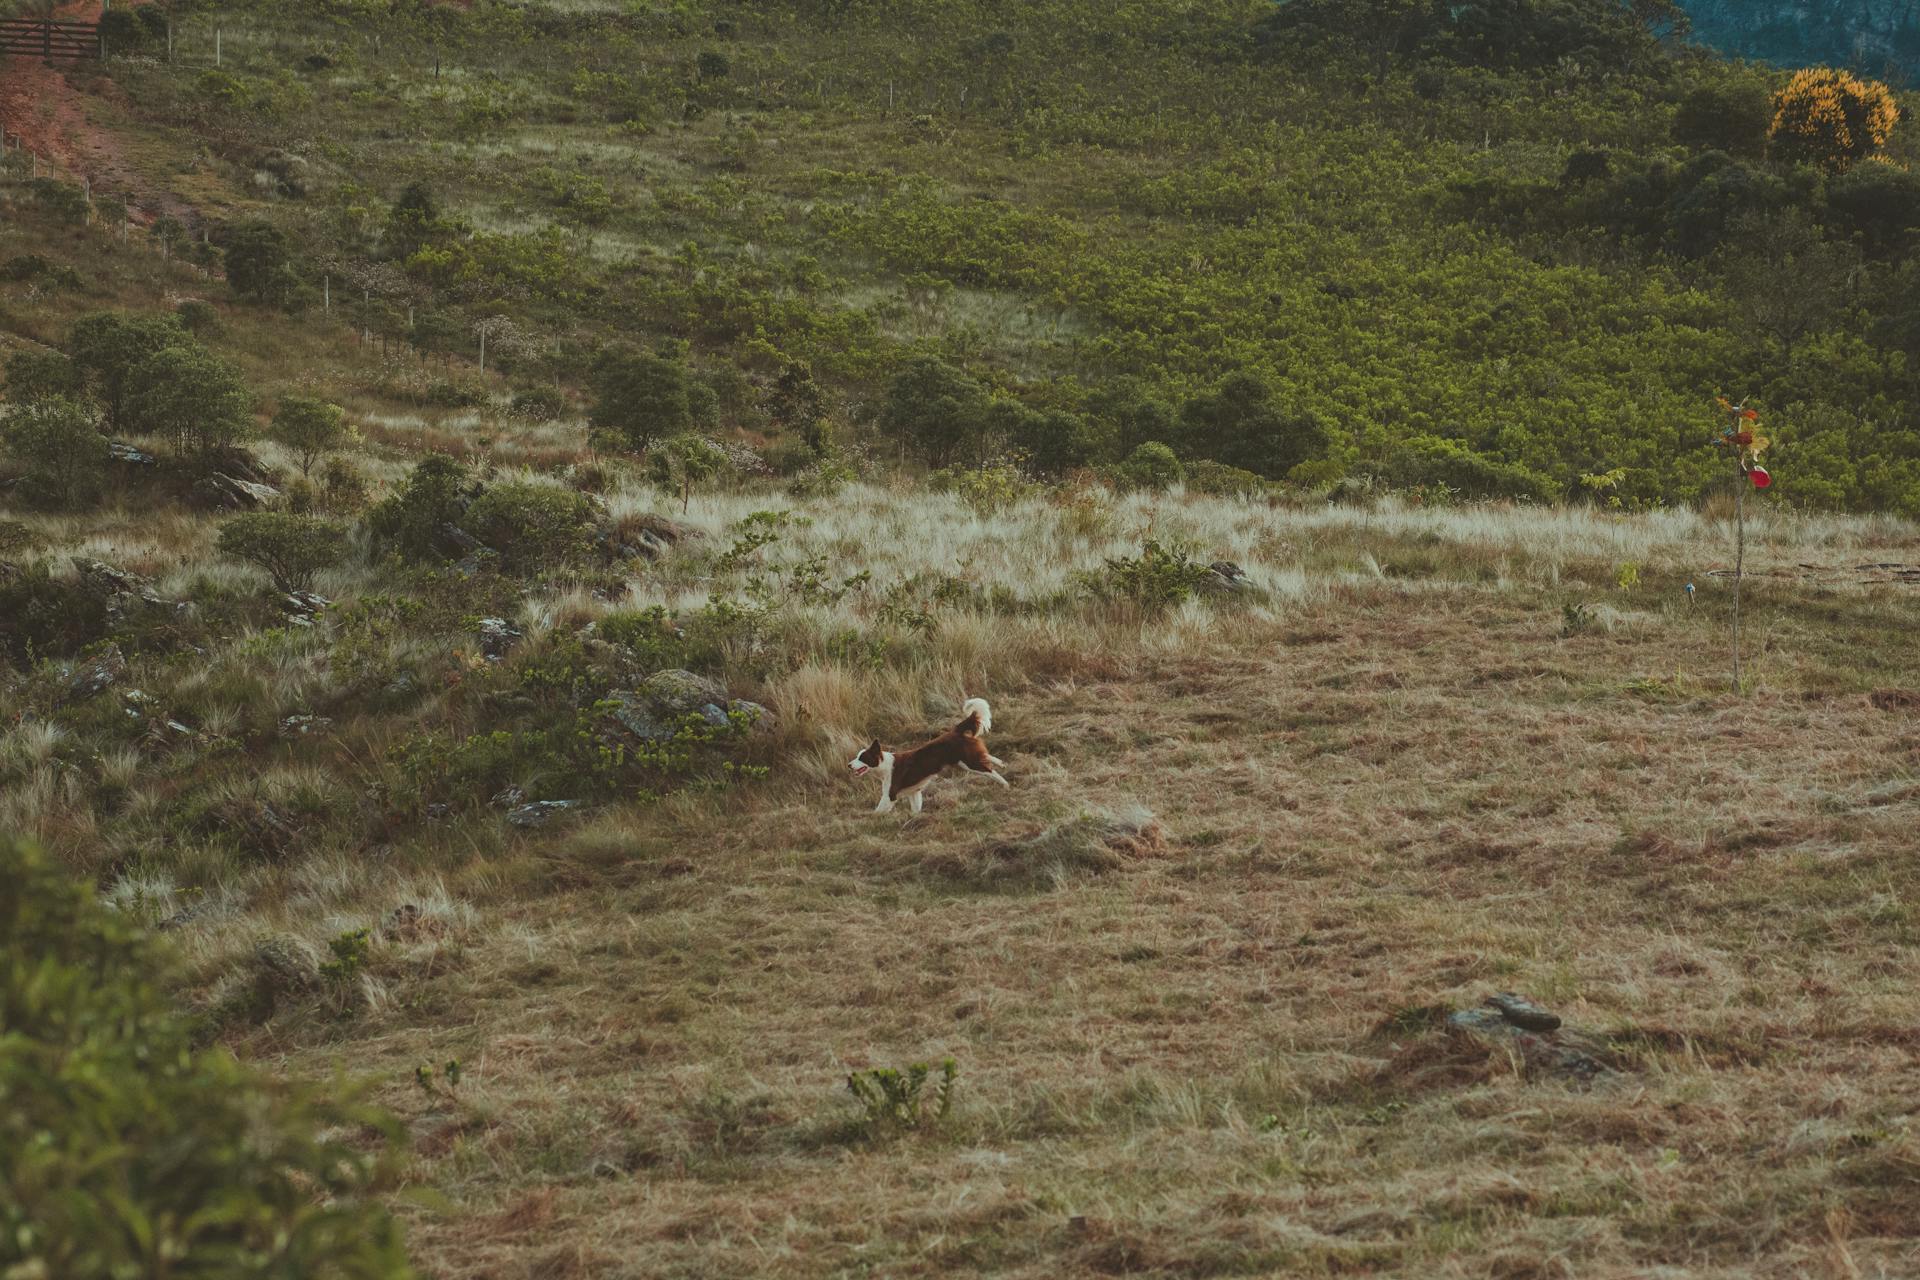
[{"x": 978, "y": 717}]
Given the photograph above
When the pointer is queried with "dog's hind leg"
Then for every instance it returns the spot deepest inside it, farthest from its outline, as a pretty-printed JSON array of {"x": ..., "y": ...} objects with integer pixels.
[
  {"x": 997, "y": 778},
  {"x": 996, "y": 762},
  {"x": 918, "y": 797}
]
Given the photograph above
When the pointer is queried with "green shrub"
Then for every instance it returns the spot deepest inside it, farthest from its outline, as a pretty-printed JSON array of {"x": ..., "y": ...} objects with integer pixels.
[
  {"x": 1430, "y": 460},
  {"x": 1160, "y": 577},
  {"x": 310, "y": 428},
  {"x": 124, "y": 1151},
  {"x": 533, "y": 526},
  {"x": 42, "y": 616},
  {"x": 289, "y": 547},
  {"x": 1217, "y": 478},
  {"x": 260, "y": 267},
  {"x": 410, "y": 522},
  {"x": 108, "y": 346},
  {"x": 640, "y": 398},
  {"x": 1150, "y": 466},
  {"x": 62, "y": 451},
  {"x": 684, "y": 462},
  {"x": 191, "y": 397},
  {"x": 41, "y": 375},
  {"x": 897, "y": 1100},
  {"x": 538, "y": 404},
  {"x": 986, "y": 489}
]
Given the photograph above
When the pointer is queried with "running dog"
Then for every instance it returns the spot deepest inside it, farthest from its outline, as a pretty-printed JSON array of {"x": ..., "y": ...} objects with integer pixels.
[{"x": 904, "y": 775}]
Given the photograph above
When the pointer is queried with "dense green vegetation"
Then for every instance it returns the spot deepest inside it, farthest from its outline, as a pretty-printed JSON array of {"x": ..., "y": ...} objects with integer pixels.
[
  {"x": 127, "y": 1151},
  {"x": 1518, "y": 242}
]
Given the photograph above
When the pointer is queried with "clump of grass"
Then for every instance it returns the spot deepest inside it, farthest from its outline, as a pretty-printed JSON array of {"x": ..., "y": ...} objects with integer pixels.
[{"x": 1093, "y": 842}]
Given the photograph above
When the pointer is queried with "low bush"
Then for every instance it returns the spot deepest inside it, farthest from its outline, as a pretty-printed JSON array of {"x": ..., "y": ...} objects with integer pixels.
[
  {"x": 42, "y": 616},
  {"x": 533, "y": 526},
  {"x": 126, "y": 1151},
  {"x": 1426, "y": 461},
  {"x": 411, "y": 522},
  {"x": 1152, "y": 466},
  {"x": 1160, "y": 577},
  {"x": 60, "y": 450},
  {"x": 291, "y": 548}
]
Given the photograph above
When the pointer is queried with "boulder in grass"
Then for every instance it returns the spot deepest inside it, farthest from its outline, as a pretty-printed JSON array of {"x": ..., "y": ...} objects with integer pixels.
[
  {"x": 541, "y": 812},
  {"x": 98, "y": 674}
]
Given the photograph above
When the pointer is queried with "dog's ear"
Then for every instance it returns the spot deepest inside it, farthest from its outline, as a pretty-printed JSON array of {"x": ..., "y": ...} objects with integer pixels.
[{"x": 875, "y": 746}]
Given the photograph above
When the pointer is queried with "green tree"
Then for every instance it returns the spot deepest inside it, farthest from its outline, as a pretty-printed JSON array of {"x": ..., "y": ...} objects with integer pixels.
[
  {"x": 310, "y": 428},
  {"x": 127, "y": 1151},
  {"x": 192, "y": 398},
  {"x": 686, "y": 461},
  {"x": 1243, "y": 424},
  {"x": 798, "y": 405},
  {"x": 41, "y": 375},
  {"x": 413, "y": 221},
  {"x": 640, "y": 397},
  {"x": 290, "y": 548},
  {"x": 63, "y": 452},
  {"x": 260, "y": 267},
  {"x": 532, "y": 526},
  {"x": 412, "y": 522},
  {"x": 108, "y": 346},
  {"x": 1786, "y": 279},
  {"x": 936, "y": 412},
  {"x": 1732, "y": 115}
]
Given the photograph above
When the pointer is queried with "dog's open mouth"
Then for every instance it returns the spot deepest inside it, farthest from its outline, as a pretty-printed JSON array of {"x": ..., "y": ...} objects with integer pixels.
[{"x": 859, "y": 769}]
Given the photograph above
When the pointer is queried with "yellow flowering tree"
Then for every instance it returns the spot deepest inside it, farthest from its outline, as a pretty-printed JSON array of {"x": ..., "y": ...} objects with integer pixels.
[{"x": 1832, "y": 118}]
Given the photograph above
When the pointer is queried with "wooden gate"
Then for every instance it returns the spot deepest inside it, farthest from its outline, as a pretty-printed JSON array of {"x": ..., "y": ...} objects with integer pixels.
[{"x": 41, "y": 38}]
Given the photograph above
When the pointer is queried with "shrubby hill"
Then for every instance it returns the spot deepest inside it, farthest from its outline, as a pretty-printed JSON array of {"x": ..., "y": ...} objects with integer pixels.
[{"x": 1498, "y": 247}]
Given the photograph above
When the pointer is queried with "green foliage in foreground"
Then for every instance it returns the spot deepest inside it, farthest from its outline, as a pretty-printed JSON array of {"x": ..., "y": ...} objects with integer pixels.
[{"x": 125, "y": 1151}]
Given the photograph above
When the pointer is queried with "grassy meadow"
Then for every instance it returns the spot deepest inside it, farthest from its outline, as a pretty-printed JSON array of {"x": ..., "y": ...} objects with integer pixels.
[{"x": 1461, "y": 721}]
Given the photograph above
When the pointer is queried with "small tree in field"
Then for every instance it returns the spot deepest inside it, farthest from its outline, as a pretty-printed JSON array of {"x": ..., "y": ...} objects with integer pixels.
[
  {"x": 310, "y": 428},
  {"x": 290, "y": 548},
  {"x": 192, "y": 398},
  {"x": 1832, "y": 119},
  {"x": 260, "y": 263},
  {"x": 108, "y": 346},
  {"x": 642, "y": 398},
  {"x": 63, "y": 452},
  {"x": 685, "y": 461}
]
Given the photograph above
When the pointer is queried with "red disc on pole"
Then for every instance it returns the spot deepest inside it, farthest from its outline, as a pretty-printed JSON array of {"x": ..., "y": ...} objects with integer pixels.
[{"x": 1759, "y": 477}]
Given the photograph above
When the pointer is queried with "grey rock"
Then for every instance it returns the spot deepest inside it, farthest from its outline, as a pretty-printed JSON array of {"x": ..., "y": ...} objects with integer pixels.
[
  {"x": 715, "y": 716},
  {"x": 120, "y": 451},
  {"x": 678, "y": 693},
  {"x": 438, "y": 812},
  {"x": 456, "y": 541},
  {"x": 304, "y": 726},
  {"x": 759, "y": 715},
  {"x": 1523, "y": 1013},
  {"x": 1555, "y": 1051},
  {"x": 404, "y": 685},
  {"x": 98, "y": 674},
  {"x": 1224, "y": 578},
  {"x": 304, "y": 604},
  {"x": 497, "y": 637},
  {"x": 540, "y": 812},
  {"x": 508, "y": 799},
  {"x": 230, "y": 493},
  {"x": 177, "y": 729},
  {"x": 631, "y": 712}
]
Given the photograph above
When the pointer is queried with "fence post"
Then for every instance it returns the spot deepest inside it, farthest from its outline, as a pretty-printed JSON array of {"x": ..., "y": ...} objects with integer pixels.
[
  {"x": 216, "y": 46},
  {"x": 326, "y": 293}
]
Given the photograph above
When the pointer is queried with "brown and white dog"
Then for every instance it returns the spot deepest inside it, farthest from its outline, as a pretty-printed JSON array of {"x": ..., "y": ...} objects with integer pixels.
[{"x": 904, "y": 775}]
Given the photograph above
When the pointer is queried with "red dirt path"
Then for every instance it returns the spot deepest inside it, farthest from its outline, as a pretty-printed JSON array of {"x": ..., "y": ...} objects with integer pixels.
[{"x": 38, "y": 104}]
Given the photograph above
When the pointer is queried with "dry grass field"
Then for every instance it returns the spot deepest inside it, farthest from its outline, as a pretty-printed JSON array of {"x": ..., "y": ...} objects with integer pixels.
[{"x": 1191, "y": 968}]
